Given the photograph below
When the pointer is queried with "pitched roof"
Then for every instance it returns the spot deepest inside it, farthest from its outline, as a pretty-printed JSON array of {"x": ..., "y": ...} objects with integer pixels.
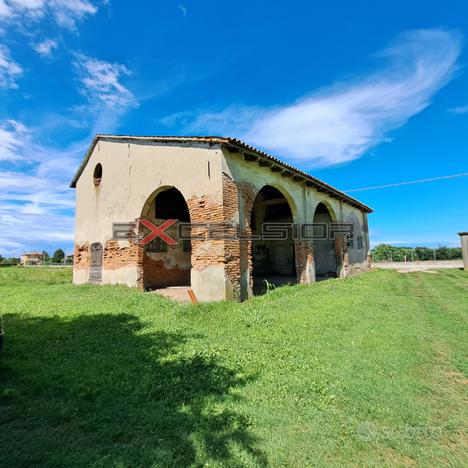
[{"x": 231, "y": 144}]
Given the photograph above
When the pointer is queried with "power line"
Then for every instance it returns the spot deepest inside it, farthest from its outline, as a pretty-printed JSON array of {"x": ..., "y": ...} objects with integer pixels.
[{"x": 420, "y": 181}]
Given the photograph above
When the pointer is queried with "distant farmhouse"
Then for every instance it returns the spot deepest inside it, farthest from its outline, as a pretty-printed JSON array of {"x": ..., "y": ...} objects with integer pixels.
[
  {"x": 208, "y": 180},
  {"x": 32, "y": 258}
]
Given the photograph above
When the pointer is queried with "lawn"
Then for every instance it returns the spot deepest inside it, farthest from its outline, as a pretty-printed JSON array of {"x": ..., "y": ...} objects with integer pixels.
[{"x": 366, "y": 371}]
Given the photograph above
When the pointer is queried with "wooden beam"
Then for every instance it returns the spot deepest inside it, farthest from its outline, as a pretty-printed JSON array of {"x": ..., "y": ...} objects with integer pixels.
[
  {"x": 265, "y": 163},
  {"x": 277, "y": 169},
  {"x": 287, "y": 174},
  {"x": 250, "y": 157},
  {"x": 232, "y": 149},
  {"x": 273, "y": 201}
]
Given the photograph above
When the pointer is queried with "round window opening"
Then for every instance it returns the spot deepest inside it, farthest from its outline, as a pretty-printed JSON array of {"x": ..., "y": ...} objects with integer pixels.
[{"x": 97, "y": 175}]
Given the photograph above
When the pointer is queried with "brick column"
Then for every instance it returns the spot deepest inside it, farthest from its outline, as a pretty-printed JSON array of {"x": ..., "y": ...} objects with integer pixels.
[
  {"x": 342, "y": 257},
  {"x": 305, "y": 268}
]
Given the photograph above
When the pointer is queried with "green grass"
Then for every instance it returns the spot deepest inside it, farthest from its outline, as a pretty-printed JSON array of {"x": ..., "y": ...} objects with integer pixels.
[{"x": 365, "y": 371}]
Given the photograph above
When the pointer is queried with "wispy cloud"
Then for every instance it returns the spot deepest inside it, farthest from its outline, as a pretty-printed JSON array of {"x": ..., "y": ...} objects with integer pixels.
[
  {"x": 45, "y": 48},
  {"x": 12, "y": 135},
  {"x": 36, "y": 205},
  {"x": 66, "y": 13},
  {"x": 183, "y": 9},
  {"x": 10, "y": 71},
  {"x": 101, "y": 82},
  {"x": 342, "y": 122},
  {"x": 459, "y": 110}
]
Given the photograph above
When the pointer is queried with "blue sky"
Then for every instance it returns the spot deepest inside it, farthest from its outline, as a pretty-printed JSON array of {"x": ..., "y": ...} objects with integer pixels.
[{"x": 359, "y": 93}]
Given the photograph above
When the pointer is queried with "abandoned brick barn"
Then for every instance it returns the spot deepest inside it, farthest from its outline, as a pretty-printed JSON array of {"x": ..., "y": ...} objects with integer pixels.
[{"x": 207, "y": 180}]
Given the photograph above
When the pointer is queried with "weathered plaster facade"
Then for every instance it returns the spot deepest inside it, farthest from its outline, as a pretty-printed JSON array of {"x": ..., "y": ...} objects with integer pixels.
[{"x": 220, "y": 180}]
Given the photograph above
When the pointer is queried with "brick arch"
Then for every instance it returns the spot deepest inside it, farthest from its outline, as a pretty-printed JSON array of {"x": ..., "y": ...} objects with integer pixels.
[
  {"x": 292, "y": 204},
  {"x": 163, "y": 266},
  {"x": 329, "y": 207},
  {"x": 156, "y": 192},
  {"x": 329, "y": 254},
  {"x": 268, "y": 264}
]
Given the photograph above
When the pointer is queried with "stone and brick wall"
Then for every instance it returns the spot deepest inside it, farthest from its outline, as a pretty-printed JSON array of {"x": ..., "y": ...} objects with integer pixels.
[
  {"x": 157, "y": 273},
  {"x": 304, "y": 253},
  {"x": 81, "y": 256}
]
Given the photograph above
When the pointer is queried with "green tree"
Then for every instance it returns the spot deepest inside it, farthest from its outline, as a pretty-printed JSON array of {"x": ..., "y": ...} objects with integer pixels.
[
  {"x": 424, "y": 253},
  {"x": 58, "y": 256}
]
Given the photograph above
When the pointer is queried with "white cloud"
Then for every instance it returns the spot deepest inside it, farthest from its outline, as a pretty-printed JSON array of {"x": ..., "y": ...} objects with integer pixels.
[
  {"x": 65, "y": 12},
  {"x": 5, "y": 10},
  {"x": 459, "y": 110},
  {"x": 100, "y": 82},
  {"x": 46, "y": 48},
  {"x": 36, "y": 204},
  {"x": 12, "y": 135},
  {"x": 342, "y": 122},
  {"x": 10, "y": 71}
]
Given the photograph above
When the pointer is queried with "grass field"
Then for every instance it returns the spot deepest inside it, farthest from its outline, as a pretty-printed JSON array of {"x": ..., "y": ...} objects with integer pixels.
[{"x": 365, "y": 371}]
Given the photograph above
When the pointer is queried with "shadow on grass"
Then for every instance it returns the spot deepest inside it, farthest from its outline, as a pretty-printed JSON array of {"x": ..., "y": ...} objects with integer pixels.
[{"x": 100, "y": 390}]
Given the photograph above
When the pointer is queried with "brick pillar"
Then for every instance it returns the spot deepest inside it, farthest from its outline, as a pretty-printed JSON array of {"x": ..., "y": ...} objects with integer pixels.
[
  {"x": 246, "y": 195},
  {"x": 208, "y": 256},
  {"x": 342, "y": 257},
  {"x": 305, "y": 269}
]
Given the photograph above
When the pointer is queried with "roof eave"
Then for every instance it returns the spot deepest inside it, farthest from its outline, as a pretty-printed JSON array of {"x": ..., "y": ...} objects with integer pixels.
[
  {"x": 228, "y": 143},
  {"x": 84, "y": 162},
  {"x": 319, "y": 184}
]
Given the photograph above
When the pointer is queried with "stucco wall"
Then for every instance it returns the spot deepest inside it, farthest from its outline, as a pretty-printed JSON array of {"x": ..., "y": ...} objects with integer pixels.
[
  {"x": 218, "y": 186},
  {"x": 133, "y": 172}
]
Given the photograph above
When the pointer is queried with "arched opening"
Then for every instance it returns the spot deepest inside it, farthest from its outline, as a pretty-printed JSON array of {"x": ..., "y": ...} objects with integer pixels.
[
  {"x": 97, "y": 174},
  {"x": 324, "y": 248},
  {"x": 273, "y": 258},
  {"x": 167, "y": 265}
]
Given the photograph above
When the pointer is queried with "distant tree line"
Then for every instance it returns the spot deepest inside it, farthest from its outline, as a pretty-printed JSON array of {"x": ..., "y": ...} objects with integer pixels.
[
  {"x": 391, "y": 253},
  {"x": 57, "y": 258},
  {"x": 9, "y": 261}
]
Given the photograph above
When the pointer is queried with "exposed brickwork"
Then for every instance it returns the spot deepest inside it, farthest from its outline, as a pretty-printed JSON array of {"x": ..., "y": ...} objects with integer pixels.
[
  {"x": 247, "y": 194},
  {"x": 117, "y": 256},
  {"x": 232, "y": 248},
  {"x": 81, "y": 257},
  {"x": 206, "y": 209},
  {"x": 341, "y": 249},
  {"x": 304, "y": 253},
  {"x": 158, "y": 275},
  {"x": 231, "y": 253}
]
